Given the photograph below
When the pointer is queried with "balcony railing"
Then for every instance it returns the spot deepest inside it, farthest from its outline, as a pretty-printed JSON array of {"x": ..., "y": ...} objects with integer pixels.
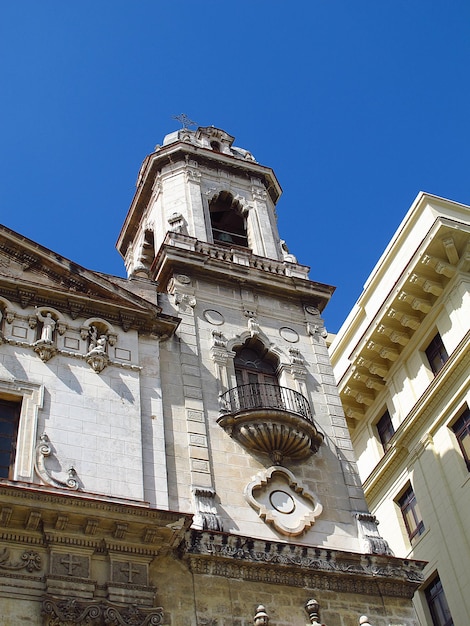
[{"x": 262, "y": 396}]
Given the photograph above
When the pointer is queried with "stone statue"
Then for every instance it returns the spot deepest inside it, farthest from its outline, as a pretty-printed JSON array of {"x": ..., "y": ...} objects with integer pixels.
[
  {"x": 93, "y": 334},
  {"x": 48, "y": 326}
]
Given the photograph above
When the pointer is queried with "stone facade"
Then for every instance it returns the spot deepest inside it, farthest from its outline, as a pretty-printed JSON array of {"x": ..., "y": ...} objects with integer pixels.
[
  {"x": 174, "y": 449},
  {"x": 402, "y": 362}
]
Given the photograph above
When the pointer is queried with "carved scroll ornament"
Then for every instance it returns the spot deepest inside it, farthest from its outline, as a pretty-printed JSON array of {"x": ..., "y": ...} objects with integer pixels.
[
  {"x": 73, "y": 612},
  {"x": 43, "y": 450}
]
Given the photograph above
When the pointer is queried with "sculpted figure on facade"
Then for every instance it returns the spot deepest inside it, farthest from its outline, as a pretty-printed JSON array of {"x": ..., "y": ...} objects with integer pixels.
[{"x": 48, "y": 327}]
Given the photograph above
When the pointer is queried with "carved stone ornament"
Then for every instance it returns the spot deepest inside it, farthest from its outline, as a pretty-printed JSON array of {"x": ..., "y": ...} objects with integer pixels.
[
  {"x": 44, "y": 350},
  {"x": 372, "y": 542},
  {"x": 30, "y": 561},
  {"x": 73, "y": 612},
  {"x": 185, "y": 300},
  {"x": 245, "y": 558},
  {"x": 313, "y": 611},
  {"x": 44, "y": 450},
  {"x": 206, "y": 517},
  {"x": 261, "y": 617},
  {"x": 283, "y": 501},
  {"x": 97, "y": 357}
]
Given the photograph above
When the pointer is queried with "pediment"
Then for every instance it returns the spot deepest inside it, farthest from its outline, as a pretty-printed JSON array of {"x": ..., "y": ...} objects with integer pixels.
[{"x": 31, "y": 275}]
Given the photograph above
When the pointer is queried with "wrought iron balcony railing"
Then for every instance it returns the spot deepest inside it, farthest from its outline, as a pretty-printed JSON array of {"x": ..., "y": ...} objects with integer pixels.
[
  {"x": 262, "y": 396},
  {"x": 270, "y": 419}
]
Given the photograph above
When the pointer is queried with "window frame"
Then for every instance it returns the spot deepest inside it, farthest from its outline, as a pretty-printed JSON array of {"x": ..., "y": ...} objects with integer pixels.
[
  {"x": 408, "y": 504},
  {"x": 461, "y": 429},
  {"x": 385, "y": 428},
  {"x": 31, "y": 397},
  {"x": 436, "y": 602},
  {"x": 436, "y": 354},
  {"x": 10, "y": 411}
]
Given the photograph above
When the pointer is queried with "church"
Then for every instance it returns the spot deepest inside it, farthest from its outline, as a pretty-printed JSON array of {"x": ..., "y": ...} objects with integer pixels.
[{"x": 173, "y": 448}]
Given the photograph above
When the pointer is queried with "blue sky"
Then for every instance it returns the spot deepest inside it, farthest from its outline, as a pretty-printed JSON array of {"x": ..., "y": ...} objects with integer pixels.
[{"x": 356, "y": 106}]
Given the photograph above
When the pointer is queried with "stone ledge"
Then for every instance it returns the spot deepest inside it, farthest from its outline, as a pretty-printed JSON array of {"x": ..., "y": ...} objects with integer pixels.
[{"x": 230, "y": 556}]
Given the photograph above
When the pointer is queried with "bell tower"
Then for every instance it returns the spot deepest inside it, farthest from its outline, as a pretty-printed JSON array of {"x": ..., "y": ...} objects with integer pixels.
[
  {"x": 200, "y": 185},
  {"x": 256, "y": 442}
]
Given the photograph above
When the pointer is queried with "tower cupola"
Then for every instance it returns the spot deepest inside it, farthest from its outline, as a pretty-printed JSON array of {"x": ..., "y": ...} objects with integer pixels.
[{"x": 201, "y": 186}]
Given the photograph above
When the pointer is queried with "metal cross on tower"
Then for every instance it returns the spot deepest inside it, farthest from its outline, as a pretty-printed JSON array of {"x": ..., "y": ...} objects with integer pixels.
[{"x": 184, "y": 120}]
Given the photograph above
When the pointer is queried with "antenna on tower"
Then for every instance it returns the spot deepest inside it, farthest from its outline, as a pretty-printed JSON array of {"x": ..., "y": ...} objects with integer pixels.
[{"x": 184, "y": 120}]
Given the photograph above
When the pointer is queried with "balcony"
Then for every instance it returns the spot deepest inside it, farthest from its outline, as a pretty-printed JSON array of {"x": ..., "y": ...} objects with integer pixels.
[{"x": 270, "y": 419}]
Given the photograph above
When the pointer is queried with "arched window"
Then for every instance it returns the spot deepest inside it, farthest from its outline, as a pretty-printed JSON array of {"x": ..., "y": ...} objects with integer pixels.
[
  {"x": 228, "y": 223},
  {"x": 250, "y": 367},
  {"x": 255, "y": 372}
]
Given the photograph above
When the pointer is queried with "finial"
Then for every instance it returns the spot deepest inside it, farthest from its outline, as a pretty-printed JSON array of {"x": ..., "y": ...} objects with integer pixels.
[
  {"x": 184, "y": 120},
  {"x": 261, "y": 617},
  {"x": 313, "y": 610}
]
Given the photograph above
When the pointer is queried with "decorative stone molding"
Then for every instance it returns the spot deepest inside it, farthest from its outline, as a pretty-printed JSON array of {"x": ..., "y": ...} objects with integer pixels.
[
  {"x": 297, "y": 367},
  {"x": 71, "y": 611},
  {"x": 372, "y": 541},
  {"x": 283, "y": 501},
  {"x": 439, "y": 266},
  {"x": 409, "y": 321},
  {"x": 44, "y": 450},
  {"x": 45, "y": 351},
  {"x": 97, "y": 358},
  {"x": 206, "y": 516},
  {"x": 177, "y": 224},
  {"x": 245, "y": 558},
  {"x": 184, "y": 300},
  {"x": 30, "y": 561},
  {"x": 384, "y": 351},
  {"x": 373, "y": 367}
]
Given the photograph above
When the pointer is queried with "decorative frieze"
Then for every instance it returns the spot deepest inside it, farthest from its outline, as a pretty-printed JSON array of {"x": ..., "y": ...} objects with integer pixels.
[
  {"x": 231, "y": 556},
  {"x": 30, "y": 561},
  {"x": 72, "y": 611}
]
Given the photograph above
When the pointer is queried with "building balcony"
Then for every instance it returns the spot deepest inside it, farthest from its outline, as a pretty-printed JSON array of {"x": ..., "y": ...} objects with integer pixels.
[{"x": 270, "y": 419}]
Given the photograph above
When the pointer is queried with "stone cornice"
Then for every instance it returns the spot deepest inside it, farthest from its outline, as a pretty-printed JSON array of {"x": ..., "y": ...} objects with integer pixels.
[
  {"x": 180, "y": 252},
  {"x": 422, "y": 288},
  {"x": 421, "y": 419},
  {"x": 33, "y": 275},
  {"x": 221, "y": 554},
  {"x": 40, "y": 516}
]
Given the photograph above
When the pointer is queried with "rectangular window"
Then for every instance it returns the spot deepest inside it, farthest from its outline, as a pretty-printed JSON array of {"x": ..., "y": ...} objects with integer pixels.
[
  {"x": 9, "y": 418},
  {"x": 461, "y": 430},
  {"x": 411, "y": 514},
  {"x": 437, "y": 604},
  {"x": 436, "y": 354},
  {"x": 385, "y": 430}
]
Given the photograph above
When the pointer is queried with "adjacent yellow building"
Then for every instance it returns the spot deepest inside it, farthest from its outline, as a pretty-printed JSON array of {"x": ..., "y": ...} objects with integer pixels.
[{"x": 401, "y": 360}]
